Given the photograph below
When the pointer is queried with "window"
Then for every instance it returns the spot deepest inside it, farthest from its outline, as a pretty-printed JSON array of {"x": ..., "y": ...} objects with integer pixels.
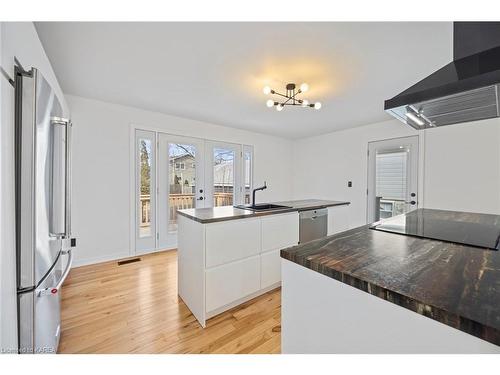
[
  {"x": 391, "y": 178},
  {"x": 145, "y": 189},
  {"x": 247, "y": 173},
  {"x": 145, "y": 182},
  {"x": 223, "y": 176}
]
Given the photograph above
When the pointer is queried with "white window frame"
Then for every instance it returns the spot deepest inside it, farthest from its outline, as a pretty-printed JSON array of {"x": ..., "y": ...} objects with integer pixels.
[{"x": 245, "y": 149}]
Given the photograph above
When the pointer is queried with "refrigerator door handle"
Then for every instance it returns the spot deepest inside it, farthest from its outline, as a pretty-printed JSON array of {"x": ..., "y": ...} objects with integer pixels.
[
  {"x": 69, "y": 127},
  {"x": 55, "y": 289},
  {"x": 66, "y": 233}
]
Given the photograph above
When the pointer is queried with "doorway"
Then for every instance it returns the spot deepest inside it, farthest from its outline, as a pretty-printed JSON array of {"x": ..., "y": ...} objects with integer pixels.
[
  {"x": 392, "y": 177},
  {"x": 175, "y": 172}
]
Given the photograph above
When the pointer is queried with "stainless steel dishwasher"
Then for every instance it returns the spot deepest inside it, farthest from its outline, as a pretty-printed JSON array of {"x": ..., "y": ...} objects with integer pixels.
[{"x": 313, "y": 224}]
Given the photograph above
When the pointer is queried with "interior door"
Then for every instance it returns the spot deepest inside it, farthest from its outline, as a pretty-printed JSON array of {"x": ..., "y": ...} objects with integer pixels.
[
  {"x": 223, "y": 163},
  {"x": 180, "y": 182},
  {"x": 145, "y": 190},
  {"x": 392, "y": 177}
]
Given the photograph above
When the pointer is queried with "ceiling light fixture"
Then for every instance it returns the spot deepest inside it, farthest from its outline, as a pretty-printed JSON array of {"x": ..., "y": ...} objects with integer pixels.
[{"x": 290, "y": 97}]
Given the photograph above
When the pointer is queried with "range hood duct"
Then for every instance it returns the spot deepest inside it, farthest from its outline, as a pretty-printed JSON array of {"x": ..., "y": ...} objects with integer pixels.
[{"x": 467, "y": 89}]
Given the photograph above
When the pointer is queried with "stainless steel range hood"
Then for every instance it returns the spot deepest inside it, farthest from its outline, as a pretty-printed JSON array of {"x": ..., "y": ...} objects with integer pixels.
[{"x": 467, "y": 89}]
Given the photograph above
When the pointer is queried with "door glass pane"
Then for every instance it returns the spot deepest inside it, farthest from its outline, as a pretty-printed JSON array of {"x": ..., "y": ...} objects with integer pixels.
[
  {"x": 247, "y": 165},
  {"x": 145, "y": 160},
  {"x": 182, "y": 181},
  {"x": 223, "y": 177},
  {"x": 391, "y": 182}
]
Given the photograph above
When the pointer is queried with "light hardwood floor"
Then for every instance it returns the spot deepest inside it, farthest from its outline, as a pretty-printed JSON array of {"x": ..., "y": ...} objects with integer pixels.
[{"x": 134, "y": 308}]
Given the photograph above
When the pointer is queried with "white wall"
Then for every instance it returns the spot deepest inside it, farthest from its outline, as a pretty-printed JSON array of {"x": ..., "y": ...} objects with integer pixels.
[
  {"x": 18, "y": 39},
  {"x": 461, "y": 168},
  {"x": 101, "y": 170}
]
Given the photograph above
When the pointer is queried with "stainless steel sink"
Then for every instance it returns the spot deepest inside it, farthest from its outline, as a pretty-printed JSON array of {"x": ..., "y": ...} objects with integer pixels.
[{"x": 262, "y": 207}]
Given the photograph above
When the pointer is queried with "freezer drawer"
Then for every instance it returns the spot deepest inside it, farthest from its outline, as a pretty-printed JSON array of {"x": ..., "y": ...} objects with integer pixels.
[
  {"x": 40, "y": 310},
  {"x": 313, "y": 224},
  {"x": 39, "y": 316}
]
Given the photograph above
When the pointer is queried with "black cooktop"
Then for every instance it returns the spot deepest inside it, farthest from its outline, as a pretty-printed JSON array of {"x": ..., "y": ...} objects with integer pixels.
[{"x": 479, "y": 230}]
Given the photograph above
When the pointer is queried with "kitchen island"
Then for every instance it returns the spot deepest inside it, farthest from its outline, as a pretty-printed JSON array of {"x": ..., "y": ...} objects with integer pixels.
[
  {"x": 368, "y": 291},
  {"x": 228, "y": 255}
]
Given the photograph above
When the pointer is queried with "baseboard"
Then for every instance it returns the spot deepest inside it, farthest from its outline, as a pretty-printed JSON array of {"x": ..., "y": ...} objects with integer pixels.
[
  {"x": 151, "y": 251},
  {"x": 101, "y": 259},
  {"x": 114, "y": 256}
]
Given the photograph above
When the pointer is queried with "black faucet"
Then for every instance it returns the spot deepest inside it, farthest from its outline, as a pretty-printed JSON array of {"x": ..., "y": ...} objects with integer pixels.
[{"x": 257, "y": 189}]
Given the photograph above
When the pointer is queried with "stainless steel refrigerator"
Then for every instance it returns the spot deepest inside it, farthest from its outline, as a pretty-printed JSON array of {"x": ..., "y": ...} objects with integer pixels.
[{"x": 43, "y": 211}]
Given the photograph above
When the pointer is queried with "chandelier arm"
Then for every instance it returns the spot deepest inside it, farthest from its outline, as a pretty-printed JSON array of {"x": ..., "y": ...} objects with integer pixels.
[
  {"x": 286, "y": 102},
  {"x": 289, "y": 97},
  {"x": 283, "y": 95}
]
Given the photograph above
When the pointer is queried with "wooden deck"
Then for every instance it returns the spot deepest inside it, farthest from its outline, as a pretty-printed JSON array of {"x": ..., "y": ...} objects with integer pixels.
[{"x": 134, "y": 308}]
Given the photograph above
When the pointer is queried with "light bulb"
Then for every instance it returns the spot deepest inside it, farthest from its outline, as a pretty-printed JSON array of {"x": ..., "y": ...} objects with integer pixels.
[
  {"x": 266, "y": 90},
  {"x": 305, "y": 103},
  {"x": 270, "y": 103},
  {"x": 304, "y": 87},
  {"x": 317, "y": 105},
  {"x": 279, "y": 107}
]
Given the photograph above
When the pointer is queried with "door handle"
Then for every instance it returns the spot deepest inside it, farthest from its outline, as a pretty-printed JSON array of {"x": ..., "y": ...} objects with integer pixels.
[
  {"x": 66, "y": 232},
  {"x": 55, "y": 289},
  {"x": 411, "y": 202},
  {"x": 200, "y": 199}
]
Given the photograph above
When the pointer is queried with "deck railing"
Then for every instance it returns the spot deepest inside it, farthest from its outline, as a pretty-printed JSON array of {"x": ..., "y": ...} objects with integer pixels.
[{"x": 180, "y": 202}]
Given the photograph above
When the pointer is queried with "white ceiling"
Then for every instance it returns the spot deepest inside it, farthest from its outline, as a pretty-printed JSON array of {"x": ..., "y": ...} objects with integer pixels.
[{"x": 215, "y": 72}]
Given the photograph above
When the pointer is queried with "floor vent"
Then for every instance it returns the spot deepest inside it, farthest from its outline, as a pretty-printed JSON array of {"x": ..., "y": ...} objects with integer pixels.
[{"x": 127, "y": 261}]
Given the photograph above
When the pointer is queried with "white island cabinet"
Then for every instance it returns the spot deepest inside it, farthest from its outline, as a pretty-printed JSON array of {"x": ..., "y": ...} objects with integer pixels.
[{"x": 223, "y": 264}]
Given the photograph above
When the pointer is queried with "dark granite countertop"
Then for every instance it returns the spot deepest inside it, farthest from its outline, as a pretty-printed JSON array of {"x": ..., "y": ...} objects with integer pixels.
[
  {"x": 454, "y": 284},
  {"x": 215, "y": 214}
]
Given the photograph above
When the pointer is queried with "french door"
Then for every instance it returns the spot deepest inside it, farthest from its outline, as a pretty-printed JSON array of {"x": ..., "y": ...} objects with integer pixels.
[
  {"x": 175, "y": 172},
  {"x": 392, "y": 177},
  {"x": 180, "y": 182}
]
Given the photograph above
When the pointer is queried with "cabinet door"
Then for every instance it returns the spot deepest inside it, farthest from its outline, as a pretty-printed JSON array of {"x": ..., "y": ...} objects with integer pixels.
[
  {"x": 230, "y": 282},
  {"x": 338, "y": 219},
  {"x": 228, "y": 241},
  {"x": 280, "y": 231},
  {"x": 270, "y": 266}
]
